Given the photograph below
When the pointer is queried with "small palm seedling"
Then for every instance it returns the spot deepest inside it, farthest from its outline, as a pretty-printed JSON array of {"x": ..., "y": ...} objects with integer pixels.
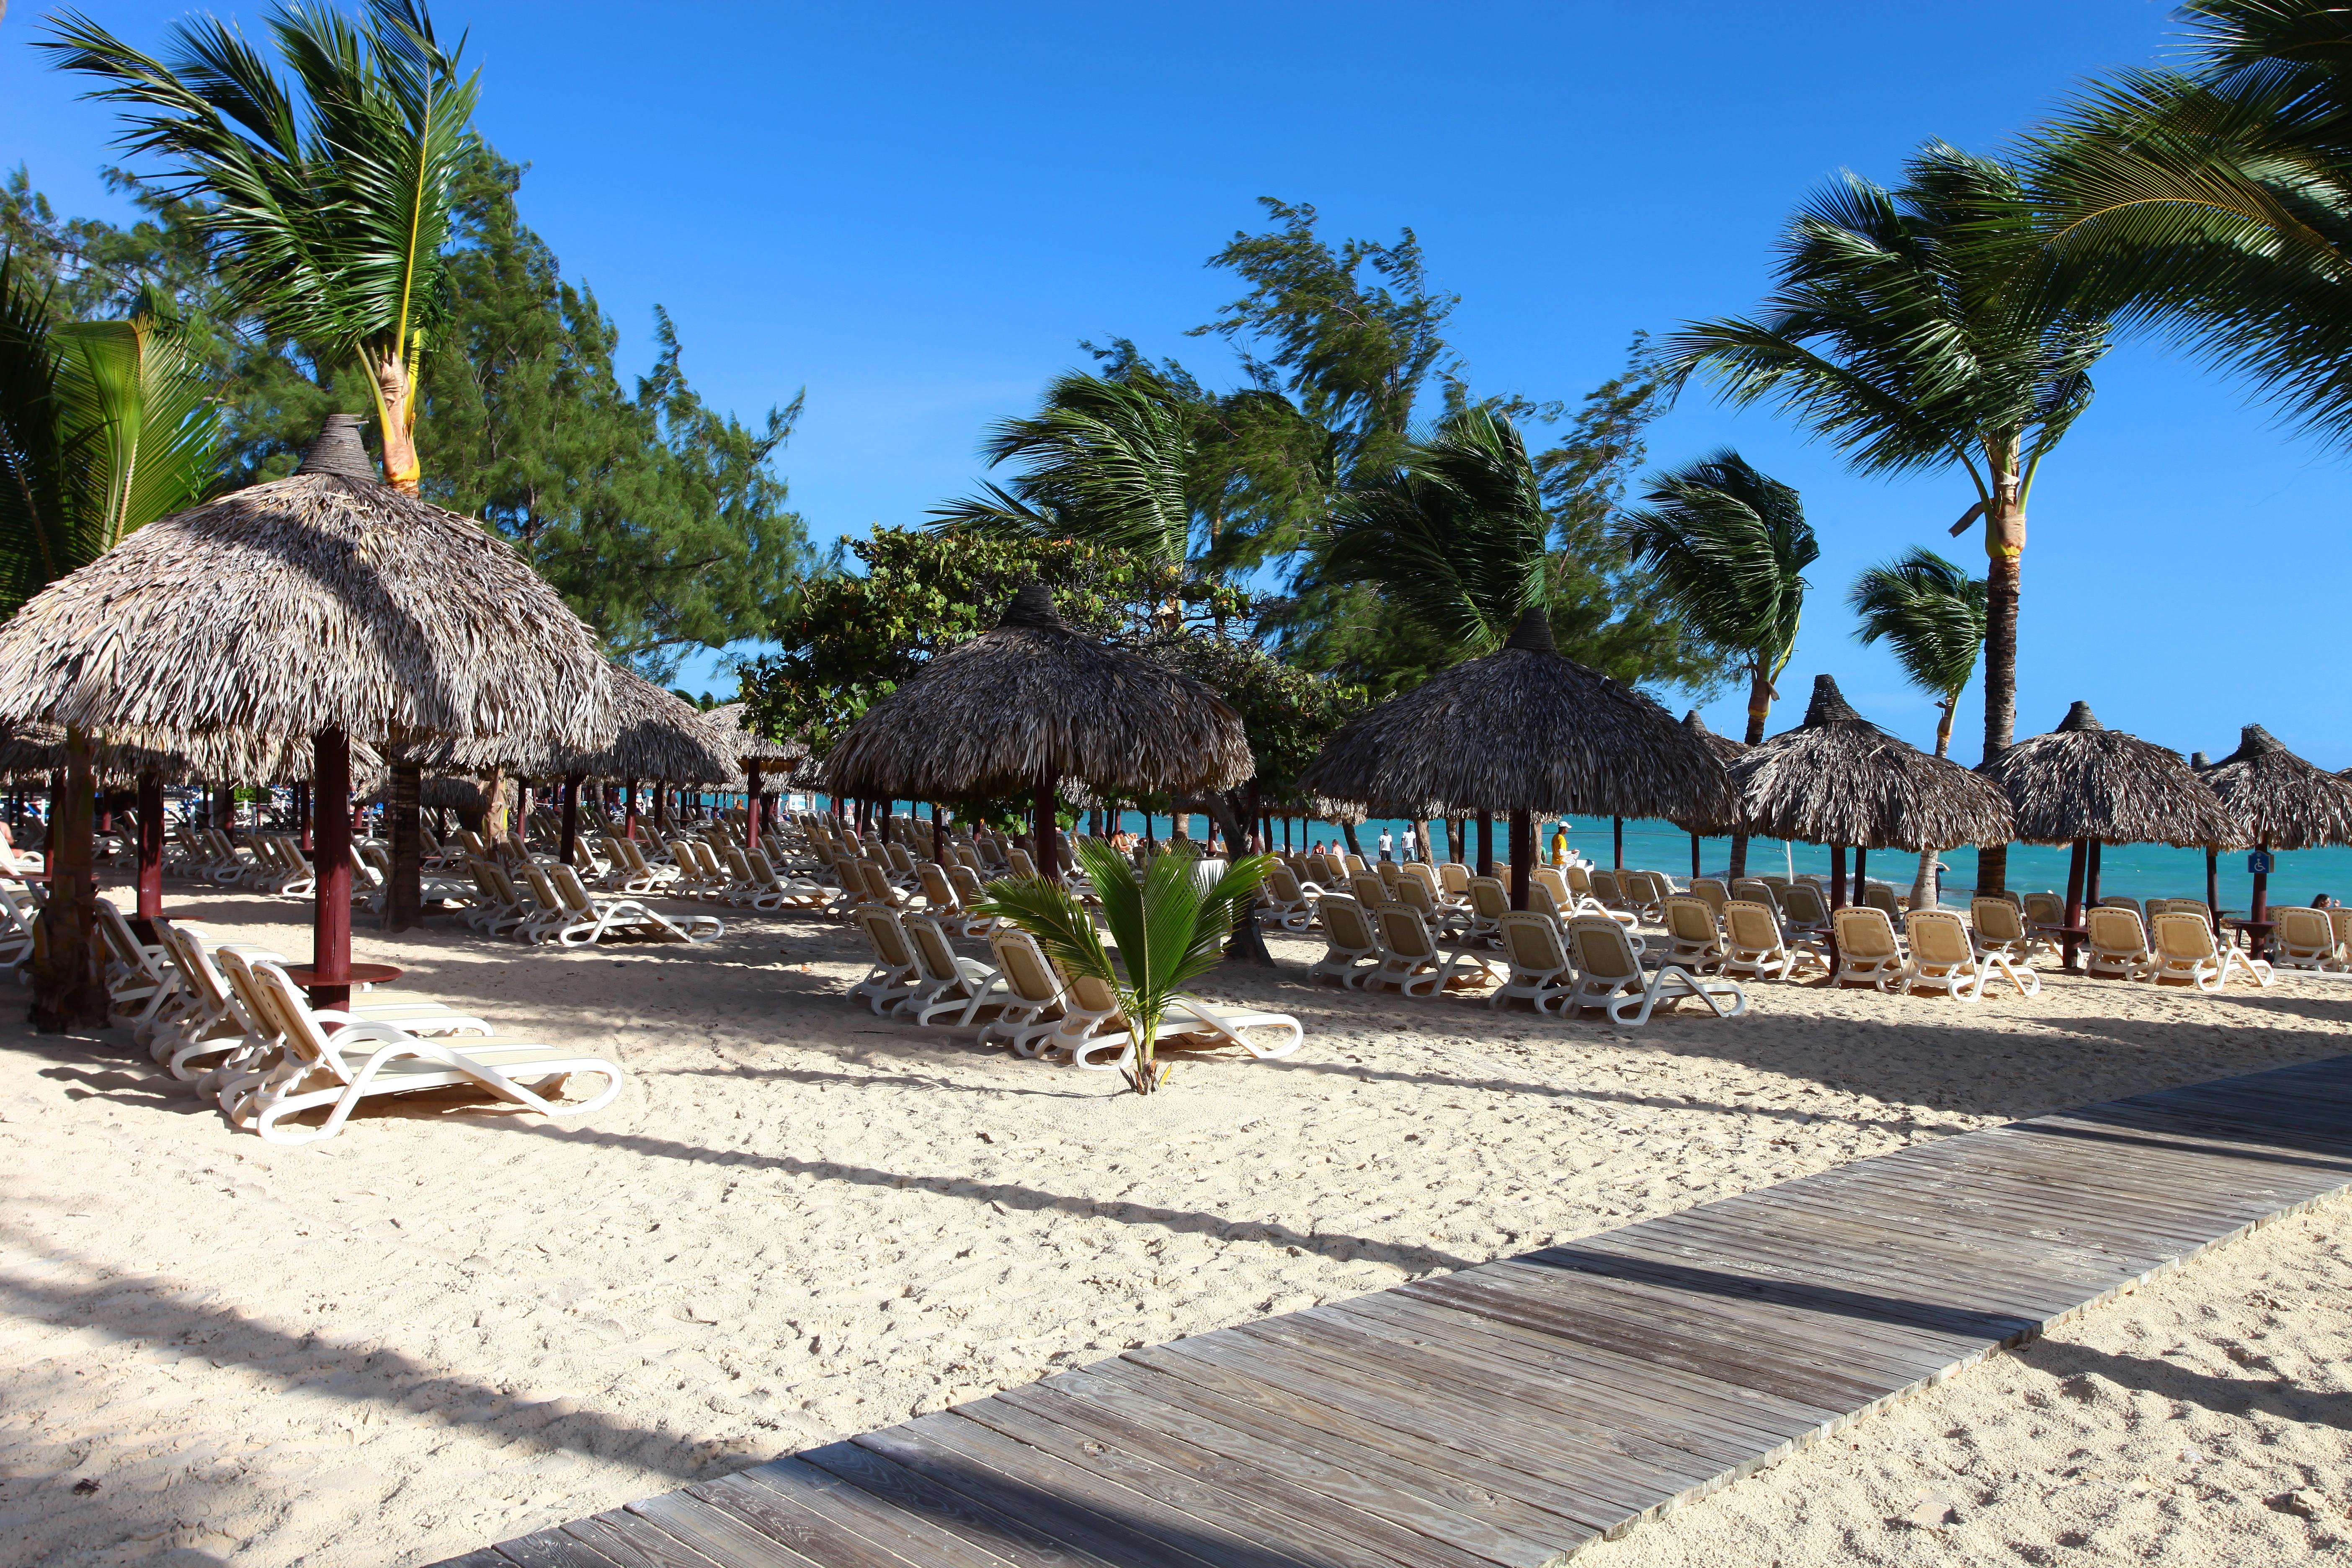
[{"x": 1169, "y": 927}]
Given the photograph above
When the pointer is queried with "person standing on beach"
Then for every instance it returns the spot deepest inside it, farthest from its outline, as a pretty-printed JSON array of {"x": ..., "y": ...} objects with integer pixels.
[
  {"x": 1408, "y": 840},
  {"x": 1388, "y": 844},
  {"x": 1559, "y": 845}
]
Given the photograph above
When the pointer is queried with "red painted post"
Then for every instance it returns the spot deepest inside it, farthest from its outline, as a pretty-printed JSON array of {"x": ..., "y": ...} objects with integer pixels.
[
  {"x": 151, "y": 845},
  {"x": 330, "y": 928},
  {"x": 752, "y": 821}
]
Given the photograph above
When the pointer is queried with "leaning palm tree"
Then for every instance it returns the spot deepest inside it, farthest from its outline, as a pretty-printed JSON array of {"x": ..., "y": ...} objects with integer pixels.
[
  {"x": 1455, "y": 536},
  {"x": 1169, "y": 927},
  {"x": 1932, "y": 613},
  {"x": 2215, "y": 203},
  {"x": 104, "y": 427},
  {"x": 329, "y": 203},
  {"x": 1105, "y": 461},
  {"x": 1916, "y": 334},
  {"x": 1729, "y": 547}
]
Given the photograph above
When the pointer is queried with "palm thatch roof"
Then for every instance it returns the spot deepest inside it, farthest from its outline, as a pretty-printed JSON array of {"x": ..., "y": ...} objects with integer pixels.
[
  {"x": 1033, "y": 700},
  {"x": 1524, "y": 728},
  {"x": 1838, "y": 778},
  {"x": 1724, "y": 749},
  {"x": 321, "y": 601},
  {"x": 2083, "y": 779},
  {"x": 221, "y": 756},
  {"x": 459, "y": 795},
  {"x": 2286, "y": 803},
  {"x": 659, "y": 739},
  {"x": 727, "y": 722}
]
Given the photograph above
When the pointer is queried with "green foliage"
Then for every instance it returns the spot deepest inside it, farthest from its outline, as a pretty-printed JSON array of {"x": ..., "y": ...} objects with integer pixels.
[
  {"x": 1106, "y": 461},
  {"x": 104, "y": 427},
  {"x": 1932, "y": 614},
  {"x": 1286, "y": 712},
  {"x": 327, "y": 203},
  {"x": 1901, "y": 330},
  {"x": 1728, "y": 546},
  {"x": 2215, "y": 203},
  {"x": 1168, "y": 926}
]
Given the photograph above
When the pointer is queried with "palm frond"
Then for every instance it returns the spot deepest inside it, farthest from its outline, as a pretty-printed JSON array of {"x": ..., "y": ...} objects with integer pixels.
[
  {"x": 1931, "y": 611},
  {"x": 34, "y": 535},
  {"x": 1728, "y": 546}
]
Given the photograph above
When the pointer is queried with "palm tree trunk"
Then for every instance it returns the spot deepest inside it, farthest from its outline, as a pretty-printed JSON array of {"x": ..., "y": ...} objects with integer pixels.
[
  {"x": 1760, "y": 709},
  {"x": 68, "y": 986},
  {"x": 1248, "y": 943},
  {"x": 1925, "y": 891},
  {"x": 2005, "y": 549},
  {"x": 395, "y": 398}
]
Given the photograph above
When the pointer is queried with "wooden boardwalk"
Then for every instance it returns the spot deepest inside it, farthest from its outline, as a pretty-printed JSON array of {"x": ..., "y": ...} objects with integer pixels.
[{"x": 1512, "y": 1413}]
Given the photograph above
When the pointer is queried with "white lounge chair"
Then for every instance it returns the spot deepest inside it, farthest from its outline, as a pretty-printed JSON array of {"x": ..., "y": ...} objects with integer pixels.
[
  {"x": 1411, "y": 960},
  {"x": 1697, "y": 942},
  {"x": 2186, "y": 951},
  {"x": 895, "y": 976},
  {"x": 589, "y": 920},
  {"x": 1349, "y": 940},
  {"x": 1944, "y": 958},
  {"x": 2301, "y": 938},
  {"x": 1609, "y": 975},
  {"x": 1540, "y": 973},
  {"x": 951, "y": 988},
  {"x": 1030, "y": 1006},
  {"x": 1866, "y": 949},
  {"x": 2117, "y": 948}
]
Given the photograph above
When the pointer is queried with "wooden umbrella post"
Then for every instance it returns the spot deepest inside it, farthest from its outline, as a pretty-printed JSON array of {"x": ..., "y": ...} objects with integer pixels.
[
  {"x": 2078, "y": 867},
  {"x": 2261, "y": 910},
  {"x": 2091, "y": 879},
  {"x": 570, "y": 816},
  {"x": 302, "y": 794},
  {"x": 629, "y": 811},
  {"x": 752, "y": 822},
  {"x": 1041, "y": 827},
  {"x": 1485, "y": 843},
  {"x": 1693, "y": 856},
  {"x": 1523, "y": 855},
  {"x": 1617, "y": 831},
  {"x": 330, "y": 924},
  {"x": 151, "y": 845},
  {"x": 2213, "y": 886}
]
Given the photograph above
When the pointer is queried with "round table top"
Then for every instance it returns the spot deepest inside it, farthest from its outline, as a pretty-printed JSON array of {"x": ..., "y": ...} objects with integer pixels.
[{"x": 360, "y": 974}]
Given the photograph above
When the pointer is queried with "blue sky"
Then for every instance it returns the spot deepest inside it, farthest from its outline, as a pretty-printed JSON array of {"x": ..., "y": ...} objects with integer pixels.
[{"x": 916, "y": 211}]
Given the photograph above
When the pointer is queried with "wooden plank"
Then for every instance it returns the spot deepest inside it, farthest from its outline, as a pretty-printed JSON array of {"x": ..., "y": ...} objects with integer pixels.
[
  {"x": 898, "y": 1490},
  {"x": 1400, "y": 1493},
  {"x": 551, "y": 1549},
  {"x": 480, "y": 1557},
  {"x": 633, "y": 1542},
  {"x": 1173, "y": 1527},
  {"x": 849, "y": 1508},
  {"x": 1282, "y": 1412},
  {"x": 782, "y": 1519},
  {"x": 1112, "y": 1538},
  {"x": 716, "y": 1534}
]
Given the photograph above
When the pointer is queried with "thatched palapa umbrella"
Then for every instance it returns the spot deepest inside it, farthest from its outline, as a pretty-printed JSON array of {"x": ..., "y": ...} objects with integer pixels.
[
  {"x": 1524, "y": 729},
  {"x": 1726, "y": 750},
  {"x": 325, "y": 607},
  {"x": 1019, "y": 708},
  {"x": 1840, "y": 780},
  {"x": 2087, "y": 785},
  {"x": 754, "y": 755},
  {"x": 2285, "y": 803}
]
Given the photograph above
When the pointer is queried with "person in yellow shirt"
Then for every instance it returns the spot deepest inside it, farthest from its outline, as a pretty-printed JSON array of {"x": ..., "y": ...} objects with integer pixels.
[{"x": 1559, "y": 845}]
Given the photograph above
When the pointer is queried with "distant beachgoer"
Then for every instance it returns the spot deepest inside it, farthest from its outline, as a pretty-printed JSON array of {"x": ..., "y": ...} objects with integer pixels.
[
  {"x": 1559, "y": 845},
  {"x": 1388, "y": 845},
  {"x": 2323, "y": 902},
  {"x": 1408, "y": 842}
]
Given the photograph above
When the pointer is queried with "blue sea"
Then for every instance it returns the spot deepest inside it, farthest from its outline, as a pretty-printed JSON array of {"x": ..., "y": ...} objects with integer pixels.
[{"x": 2138, "y": 871}]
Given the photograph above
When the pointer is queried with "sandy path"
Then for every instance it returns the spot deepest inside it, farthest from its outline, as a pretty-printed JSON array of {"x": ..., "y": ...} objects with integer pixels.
[{"x": 451, "y": 1325}]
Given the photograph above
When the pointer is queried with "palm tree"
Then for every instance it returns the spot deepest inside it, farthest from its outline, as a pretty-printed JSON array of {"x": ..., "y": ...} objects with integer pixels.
[
  {"x": 1914, "y": 333},
  {"x": 1932, "y": 613},
  {"x": 330, "y": 205},
  {"x": 2216, "y": 204},
  {"x": 1106, "y": 461},
  {"x": 104, "y": 427},
  {"x": 1455, "y": 536},
  {"x": 1169, "y": 927},
  {"x": 1728, "y": 546}
]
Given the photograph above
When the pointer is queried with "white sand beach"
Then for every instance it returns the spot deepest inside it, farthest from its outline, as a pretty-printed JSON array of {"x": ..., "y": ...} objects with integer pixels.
[{"x": 453, "y": 1324}]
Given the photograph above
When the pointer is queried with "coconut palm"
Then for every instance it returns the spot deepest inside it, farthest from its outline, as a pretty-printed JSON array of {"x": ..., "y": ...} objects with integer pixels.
[
  {"x": 104, "y": 427},
  {"x": 329, "y": 203},
  {"x": 2216, "y": 204},
  {"x": 1455, "y": 536},
  {"x": 1105, "y": 461},
  {"x": 1170, "y": 927},
  {"x": 1932, "y": 614},
  {"x": 1728, "y": 546},
  {"x": 1914, "y": 333}
]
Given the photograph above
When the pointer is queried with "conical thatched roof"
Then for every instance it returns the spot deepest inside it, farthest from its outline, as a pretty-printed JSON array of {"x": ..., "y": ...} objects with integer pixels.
[
  {"x": 323, "y": 600},
  {"x": 659, "y": 739},
  {"x": 1724, "y": 749},
  {"x": 2286, "y": 803},
  {"x": 1032, "y": 701},
  {"x": 220, "y": 757},
  {"x": 727, "y": 722},
  {"x": 1837, "y": 778},
  {"x": 2083, "y": 779},
  {"x": 1523, "y": 728}
]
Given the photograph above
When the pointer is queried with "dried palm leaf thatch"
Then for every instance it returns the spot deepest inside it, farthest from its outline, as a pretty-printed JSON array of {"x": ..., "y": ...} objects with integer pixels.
[
  {"x": 2285, "y": 803},
  {"x": 320, "y": 601},
  {"x": 220, "y": 756},
  {"x": 657, "y": 739},
  {"x": 2083, "y": 779},
  {"x": 1033, "y": 700},
  {"x": 442, "y": 793},
  {"x": 727, "y": 721},
  {"x": 1724, "y": 749},
  {"x": 1838, "y": 779},
  {"x": 1522, "y": 729}
]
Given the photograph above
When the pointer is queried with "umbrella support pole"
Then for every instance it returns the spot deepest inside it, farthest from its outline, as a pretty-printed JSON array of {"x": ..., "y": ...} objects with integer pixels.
[
  {"x": 2261, "y": 910},
  {"x": 2213, "y": 886},
  {"x": 151, "y": 845},
  {"x": 752, "y": 822},
  {"x": 1617, "y": 835},
  {"x": 1041, "y": 827},
  {"x": 1523, "y": 855},
  {"x": 1485, "y": 845},
  {"x": 331, "y": 926},
  {"x": 570, "y": 816},
  {"x": 2078, "y": 867}
]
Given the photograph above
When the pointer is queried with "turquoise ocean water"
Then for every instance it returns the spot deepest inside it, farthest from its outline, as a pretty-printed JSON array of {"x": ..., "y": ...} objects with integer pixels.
[{"x": 2138, "y": 872}]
